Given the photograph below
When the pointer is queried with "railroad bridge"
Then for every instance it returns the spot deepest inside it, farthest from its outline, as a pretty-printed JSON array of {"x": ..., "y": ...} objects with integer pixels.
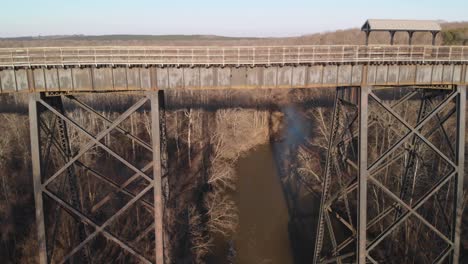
[{"x": 436, "y": 77}]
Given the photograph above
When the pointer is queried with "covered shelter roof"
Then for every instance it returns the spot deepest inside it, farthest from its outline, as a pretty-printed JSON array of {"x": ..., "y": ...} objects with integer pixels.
[
  {"x": 401, "y": 25},
  {"x": 394, "y": 25}
]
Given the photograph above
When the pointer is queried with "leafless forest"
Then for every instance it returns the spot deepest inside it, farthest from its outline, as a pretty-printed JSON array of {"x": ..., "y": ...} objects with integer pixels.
[
  {"x": 452, "y": 34},
  {"x": 207, "y": 132}
]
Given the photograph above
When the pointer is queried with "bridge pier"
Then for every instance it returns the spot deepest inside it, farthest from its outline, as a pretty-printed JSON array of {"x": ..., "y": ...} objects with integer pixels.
[
  {"x": 363, "y": 175},
  {"x": 59, "y": 161},
  {"x": 157, "y": 174},
  {"x": 458, "y": 202},
  {"x": 394, "y": 166},
  {"x": 37, "y": 175}
]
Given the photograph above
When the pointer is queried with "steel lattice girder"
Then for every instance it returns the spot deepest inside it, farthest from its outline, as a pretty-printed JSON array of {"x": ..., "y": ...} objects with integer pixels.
[
  {"x": 367, "y": 174},
  {"x": 39, "y": 100}
]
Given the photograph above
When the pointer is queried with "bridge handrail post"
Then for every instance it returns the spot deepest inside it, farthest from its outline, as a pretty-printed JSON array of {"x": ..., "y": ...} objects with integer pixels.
[
  {"x": 298, "y": 55},
  {"x": 254, "y": 55},
  {"x": 369, "y": 54},
  {"x": 112, "y": 57},
  {"x": 411, "y": 53},
  {"x": 193, "y": 58},
  {"x": 356, "y": 53},
  {"x": 224, "y": 57},
  {"x": 460, "y": 55},
  {"x": 342, "y": 54},
  {"x": 397, "y": 56},
  {"x": 434, "y": 54},
  {"x": 450, "y": 54},
  {"x": 383, "y": 55},
  {"x": 313, "y": 54},
  {"x": 177, "y": 58},
  {"x": 424, "y": 54},
  {"x": 269, "y": 54},
  {"x": 61, "y": 57},
  {"x": 29, "y": 61},
  {"x": 284, "y": 55},
  {"x": 161, "y": 60}
]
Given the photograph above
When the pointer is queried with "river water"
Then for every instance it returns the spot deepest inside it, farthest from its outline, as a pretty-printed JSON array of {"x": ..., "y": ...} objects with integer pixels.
[
  {"x": 263, "y": 231},
  {"x": 264, "y": 235}
]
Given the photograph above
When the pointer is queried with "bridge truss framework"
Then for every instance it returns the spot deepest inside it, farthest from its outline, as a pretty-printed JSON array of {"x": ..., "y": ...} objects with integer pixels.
[
  {"x": 348, "y": 163},
  {"x": 350, "y": 234},
  {"x": 347, "y": 227},
  {"x": 50, "y": 128}
]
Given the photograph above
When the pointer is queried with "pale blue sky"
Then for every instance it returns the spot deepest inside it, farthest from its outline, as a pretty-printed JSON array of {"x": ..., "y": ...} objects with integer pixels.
[{"x": 220, "y": 17}]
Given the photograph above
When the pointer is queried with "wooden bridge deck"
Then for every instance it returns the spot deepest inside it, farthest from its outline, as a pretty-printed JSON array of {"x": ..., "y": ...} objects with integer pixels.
[{"x": 89, "y": 69}]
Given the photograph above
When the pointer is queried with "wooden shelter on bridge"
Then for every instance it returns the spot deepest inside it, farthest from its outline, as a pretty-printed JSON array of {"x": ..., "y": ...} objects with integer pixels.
[{"x": 392, "y": 26}]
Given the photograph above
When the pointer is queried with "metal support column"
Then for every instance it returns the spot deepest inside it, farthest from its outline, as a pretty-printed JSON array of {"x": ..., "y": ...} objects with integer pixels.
[
  {"x": 157, "y": 184},
  {"x": 404, "y": 197},
  {"x": 339, "y": 181},
  {"x": 460, "y": 160},
  {"x": 37, "y": 176},
  {"x": 50, "y": 180},
  {"x": 362, "y": 178}
]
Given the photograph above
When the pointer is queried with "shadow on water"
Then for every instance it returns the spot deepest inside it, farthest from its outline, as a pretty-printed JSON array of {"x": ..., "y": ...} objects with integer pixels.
[
  {"x": 302, "y": 201},
  {"x": 273, "y": 225},
  {"x": 277, "y": 219}
]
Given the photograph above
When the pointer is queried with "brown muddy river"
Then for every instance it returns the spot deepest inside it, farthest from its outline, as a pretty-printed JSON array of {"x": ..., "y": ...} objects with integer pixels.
[{"x": 262, "y": 237}]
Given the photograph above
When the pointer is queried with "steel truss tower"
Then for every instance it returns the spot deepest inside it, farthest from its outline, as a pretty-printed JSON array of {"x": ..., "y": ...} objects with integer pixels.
[
  {"x": 393, "y": 181},
  {"x": 61, "y": 147}
]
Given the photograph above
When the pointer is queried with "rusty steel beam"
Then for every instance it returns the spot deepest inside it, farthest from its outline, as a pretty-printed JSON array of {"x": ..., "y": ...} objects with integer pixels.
[
  {"x": 94, "y": 140},
  {"x": 70, "y": 160},
  {"x": 157, "y": 183},
  {"x": 107, "y": 120},
  {"x": 460, "y": 160},
  {"x": 367, "y": 174},
  {"x": 100, "y": 228},
  {"x": 363, "y": 175},
  {"x": 326, "y": 184},
  {"x": 34, "y": 117}
]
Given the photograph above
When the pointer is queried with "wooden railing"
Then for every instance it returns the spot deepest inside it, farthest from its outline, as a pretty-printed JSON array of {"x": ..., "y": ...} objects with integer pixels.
[{"x": 246, "y": 55}]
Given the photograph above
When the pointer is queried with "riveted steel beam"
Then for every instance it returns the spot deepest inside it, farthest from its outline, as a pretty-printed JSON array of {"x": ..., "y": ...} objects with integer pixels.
[
  {"x": 40, "y": 103},
  {"x": 363, "y": 243}
]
